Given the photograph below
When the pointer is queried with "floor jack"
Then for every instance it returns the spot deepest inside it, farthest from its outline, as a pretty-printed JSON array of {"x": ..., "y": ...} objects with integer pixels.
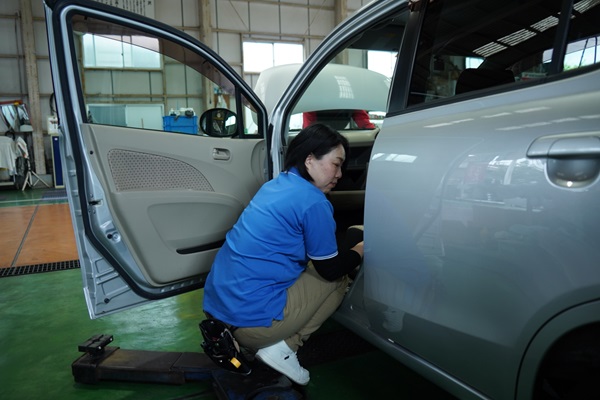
[{"x": 101, "y": 362}]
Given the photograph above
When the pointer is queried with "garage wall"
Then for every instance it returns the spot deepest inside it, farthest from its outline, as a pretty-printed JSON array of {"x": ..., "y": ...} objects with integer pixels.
[
  {"x": 231, "y": 22},
  {"x": 13, "y": 80}
]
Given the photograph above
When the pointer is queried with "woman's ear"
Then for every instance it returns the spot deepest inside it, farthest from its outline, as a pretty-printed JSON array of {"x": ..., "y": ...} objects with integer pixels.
[{"x": 308, "y": 160}]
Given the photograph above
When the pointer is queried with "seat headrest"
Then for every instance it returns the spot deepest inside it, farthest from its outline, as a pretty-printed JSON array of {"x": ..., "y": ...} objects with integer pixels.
[{"x": 475, "y": 79}]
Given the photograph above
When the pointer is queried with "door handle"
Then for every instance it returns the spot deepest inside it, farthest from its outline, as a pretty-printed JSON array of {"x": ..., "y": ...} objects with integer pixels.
[
  {"x": 573, "y": 159},
  {"x": 221, "y": 154},
  {"x": 569, "y": 145}
]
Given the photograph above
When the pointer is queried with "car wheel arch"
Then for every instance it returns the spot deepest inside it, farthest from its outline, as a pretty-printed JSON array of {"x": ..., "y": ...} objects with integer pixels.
[{"x": 564, "y": 337}]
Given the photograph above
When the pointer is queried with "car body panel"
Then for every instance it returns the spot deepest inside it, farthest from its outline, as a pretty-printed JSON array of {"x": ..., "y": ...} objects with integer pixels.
[
  {"x": 514, "y": 247},
  {"x": 558, "y": 327}
]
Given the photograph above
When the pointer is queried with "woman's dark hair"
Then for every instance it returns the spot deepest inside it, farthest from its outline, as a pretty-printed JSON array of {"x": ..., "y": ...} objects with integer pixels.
[{"x": 316, "y": 139}]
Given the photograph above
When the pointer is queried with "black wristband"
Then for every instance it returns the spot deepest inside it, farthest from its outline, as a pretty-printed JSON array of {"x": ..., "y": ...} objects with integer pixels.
[{"x": 353, "y": 237}]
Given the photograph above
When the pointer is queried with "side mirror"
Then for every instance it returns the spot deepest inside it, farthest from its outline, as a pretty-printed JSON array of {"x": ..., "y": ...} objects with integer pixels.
[{"x": 219, "y": 122}]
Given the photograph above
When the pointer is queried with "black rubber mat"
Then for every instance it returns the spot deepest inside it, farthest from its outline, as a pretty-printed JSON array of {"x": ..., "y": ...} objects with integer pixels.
[
  {"x": 54, "y": 194},
  {"x": 38, "y": 268}
]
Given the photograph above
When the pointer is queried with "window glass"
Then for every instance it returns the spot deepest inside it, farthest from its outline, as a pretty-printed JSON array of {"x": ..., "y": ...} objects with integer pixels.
[
  {"x": 134, "y": 79},
  {"x": 583, "y": 47},
  {"x": 582, "y": 53},
  {"x": 259, "y": 56},
  {"x": 351, "y": 92},
  {"x": 458, "y": 53},
  {"x": 344, "y": 96}
]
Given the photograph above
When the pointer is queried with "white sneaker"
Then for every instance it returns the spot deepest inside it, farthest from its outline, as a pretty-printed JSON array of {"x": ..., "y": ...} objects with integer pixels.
[{"x": 281, "y": 358}]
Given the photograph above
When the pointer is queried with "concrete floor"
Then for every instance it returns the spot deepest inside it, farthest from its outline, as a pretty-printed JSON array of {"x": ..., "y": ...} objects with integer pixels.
[{"x": 43, "y": 318}]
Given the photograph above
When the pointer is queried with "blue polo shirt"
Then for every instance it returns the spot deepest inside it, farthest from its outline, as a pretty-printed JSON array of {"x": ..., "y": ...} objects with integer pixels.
[{"x": 288, "y": 221}]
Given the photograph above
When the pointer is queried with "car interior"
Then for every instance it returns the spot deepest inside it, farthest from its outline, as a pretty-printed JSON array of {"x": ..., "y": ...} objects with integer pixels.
[{"x": 497, "y": 43}]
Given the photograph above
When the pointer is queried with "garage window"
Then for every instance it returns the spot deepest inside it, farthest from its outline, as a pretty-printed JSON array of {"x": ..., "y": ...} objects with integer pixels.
[
  {"x": 119, "y": 52},
  {"x": 259, "y": 56},
  {"x": 383, "y": 62}
]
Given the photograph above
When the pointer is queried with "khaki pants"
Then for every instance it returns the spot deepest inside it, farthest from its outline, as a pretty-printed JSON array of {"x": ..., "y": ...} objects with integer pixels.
[{"x": 310, "y": 301}]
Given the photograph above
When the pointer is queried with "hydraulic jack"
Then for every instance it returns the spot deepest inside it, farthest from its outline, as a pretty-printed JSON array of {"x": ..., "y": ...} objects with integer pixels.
[{"x": 101, "y": 362}]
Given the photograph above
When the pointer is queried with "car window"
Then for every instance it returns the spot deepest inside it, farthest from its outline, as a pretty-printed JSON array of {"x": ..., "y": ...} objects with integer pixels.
[
  {"x": 469, "y": 46},
  {"x": 135, "y": 79},
  {"x": 351, "y": 92}
]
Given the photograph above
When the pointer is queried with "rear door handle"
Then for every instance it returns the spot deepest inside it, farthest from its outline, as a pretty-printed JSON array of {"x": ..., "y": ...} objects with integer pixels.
[
  {"x": 221, "y": 154},
  {"x": 573, "y": 159},
  {"x": 568, "y": 145}
]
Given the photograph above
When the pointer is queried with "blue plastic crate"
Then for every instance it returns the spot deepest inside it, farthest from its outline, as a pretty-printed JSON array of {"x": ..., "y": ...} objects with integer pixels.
[{"x": 181, "y": 124}]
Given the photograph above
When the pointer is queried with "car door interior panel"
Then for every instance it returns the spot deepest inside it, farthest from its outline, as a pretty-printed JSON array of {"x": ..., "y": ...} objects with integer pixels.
[{"x": 167, "y": 198}]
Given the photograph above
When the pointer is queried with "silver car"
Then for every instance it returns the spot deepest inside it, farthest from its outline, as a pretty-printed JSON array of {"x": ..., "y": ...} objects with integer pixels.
[{"x": 476, "y": 181}]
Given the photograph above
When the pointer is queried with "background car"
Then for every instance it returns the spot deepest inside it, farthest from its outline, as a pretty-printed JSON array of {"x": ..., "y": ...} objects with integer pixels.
[{"x": 350, "y": 99}]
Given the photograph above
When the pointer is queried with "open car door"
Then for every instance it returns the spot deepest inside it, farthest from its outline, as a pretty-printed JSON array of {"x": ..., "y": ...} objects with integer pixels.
[{"x": 155, "y": 174}]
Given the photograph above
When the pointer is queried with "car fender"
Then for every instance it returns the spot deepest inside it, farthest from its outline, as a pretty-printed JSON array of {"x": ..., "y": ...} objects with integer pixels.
[{"x": 546, "y": 337}]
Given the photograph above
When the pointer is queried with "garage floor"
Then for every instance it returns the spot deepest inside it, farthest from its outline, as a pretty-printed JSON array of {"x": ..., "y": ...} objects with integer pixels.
[{"x": 43, "y": 319}]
